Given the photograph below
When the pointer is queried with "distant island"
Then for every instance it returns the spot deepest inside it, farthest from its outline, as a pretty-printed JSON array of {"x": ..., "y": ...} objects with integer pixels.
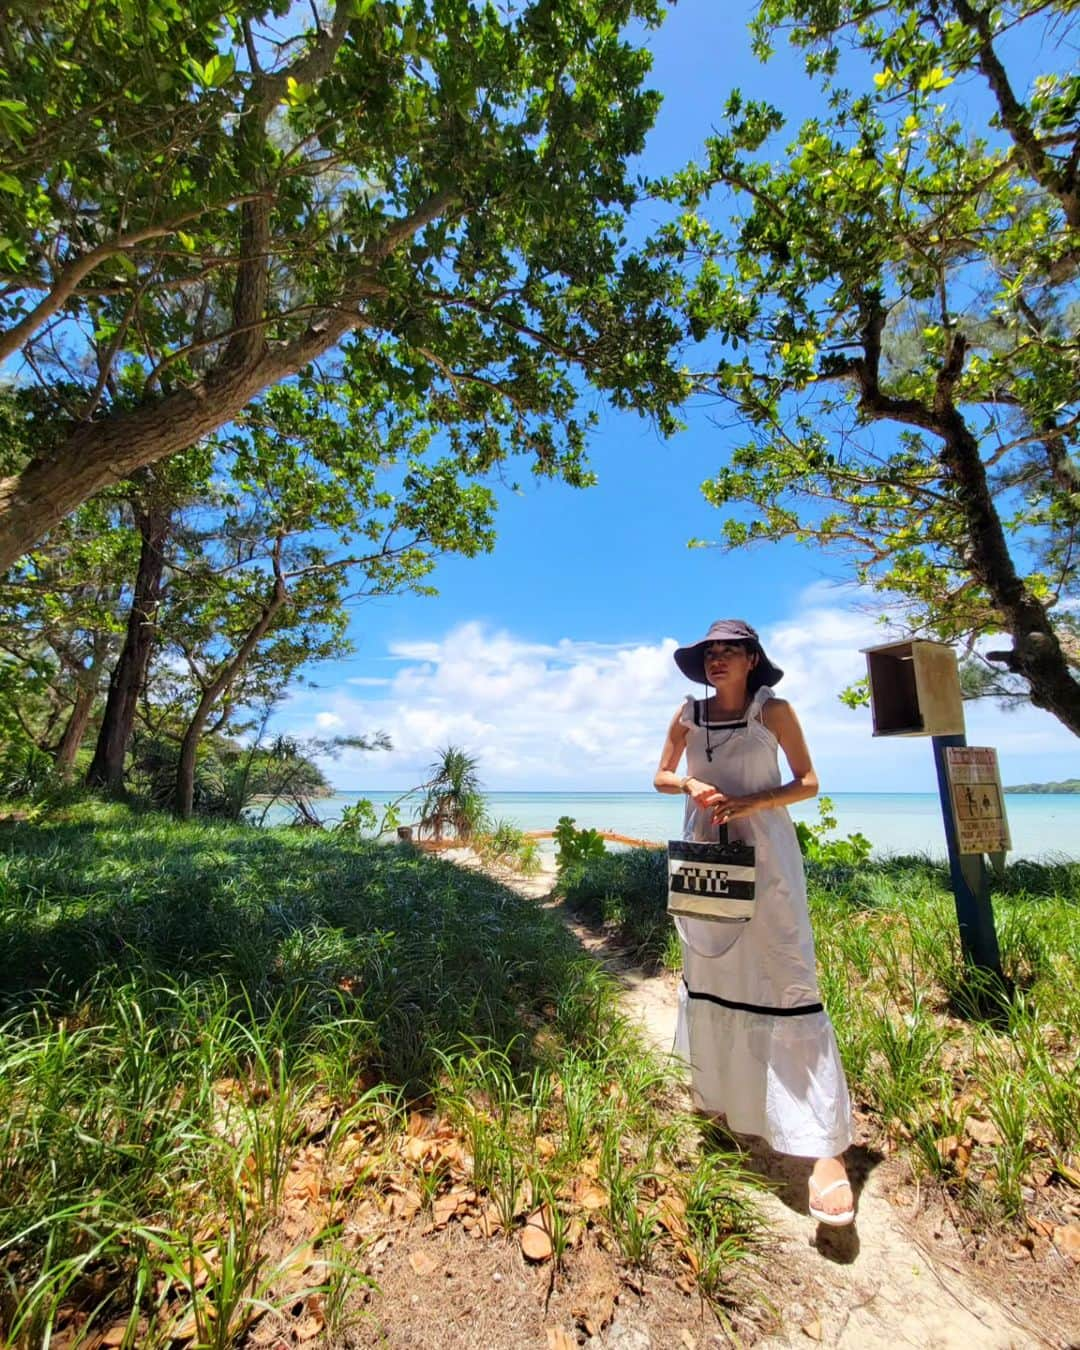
[{"x": 1069, "y": 785}]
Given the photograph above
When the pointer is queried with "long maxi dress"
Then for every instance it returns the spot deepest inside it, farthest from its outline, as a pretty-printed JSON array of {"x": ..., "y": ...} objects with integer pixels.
[{"x": 761, "y": 1047}]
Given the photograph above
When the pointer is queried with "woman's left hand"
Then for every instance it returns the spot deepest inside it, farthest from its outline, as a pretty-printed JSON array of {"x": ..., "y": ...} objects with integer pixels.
[{"x": 731, "y": 808}]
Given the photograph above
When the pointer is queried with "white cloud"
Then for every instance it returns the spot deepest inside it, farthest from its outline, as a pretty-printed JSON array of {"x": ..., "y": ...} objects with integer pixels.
[{"x": 580, "y": 715}]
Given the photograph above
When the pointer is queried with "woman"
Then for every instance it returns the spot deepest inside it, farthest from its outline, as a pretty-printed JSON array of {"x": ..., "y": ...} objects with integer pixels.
[{"x": 761, "y": 1047}]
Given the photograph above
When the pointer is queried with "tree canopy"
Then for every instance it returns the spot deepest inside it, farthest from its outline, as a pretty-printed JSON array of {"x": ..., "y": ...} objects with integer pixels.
[
  {"x": 199, "y": 200},
  {"x": 897, "y": 296},
  {"x": 204, "y": 585}
]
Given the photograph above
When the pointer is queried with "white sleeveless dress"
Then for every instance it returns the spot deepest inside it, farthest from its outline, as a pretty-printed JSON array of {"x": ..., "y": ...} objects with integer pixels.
[{"x": 761, "y": 1047}]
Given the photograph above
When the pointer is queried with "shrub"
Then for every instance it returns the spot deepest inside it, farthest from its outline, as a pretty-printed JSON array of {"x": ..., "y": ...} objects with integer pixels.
[
  {"x": 626, "y": 891},
  {"x": 25, "y": 771},
  {"x": 508, "y": 846},
  {"x": 574, "y": 846},
  {"x": 817, "y": 848}
]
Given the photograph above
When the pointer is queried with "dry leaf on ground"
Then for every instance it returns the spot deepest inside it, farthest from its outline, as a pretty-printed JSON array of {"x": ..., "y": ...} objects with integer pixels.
[
  {"x": 422, "y": 1263},
  {"x": 415, "y": 1149},
  {"x": 588, "y": 1194},
  {"x": 405, "y": 1205},
  {"x": 443, "y": 1209},
  {"x": 114, "y": 1335},
  {"x": 812, "y": 1329},
  {"x": 1067, "y": 1240},
  {"x": 303, "y": 1186},
  {"x": 984, "y": 1132},
  {"x": 536, "y": 1235},
  {"x": 669, "y": 1215}
]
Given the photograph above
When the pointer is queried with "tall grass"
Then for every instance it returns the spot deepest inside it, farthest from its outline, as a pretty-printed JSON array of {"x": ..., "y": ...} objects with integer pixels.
[
  {"x": 990, "y": 1105},
  {"x": 214, "y": 1041},
  {"x": 624, "y": 892}
]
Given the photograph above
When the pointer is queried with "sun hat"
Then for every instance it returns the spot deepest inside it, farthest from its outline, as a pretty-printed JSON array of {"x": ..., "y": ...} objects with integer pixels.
[{"x": 691, "y": 659}]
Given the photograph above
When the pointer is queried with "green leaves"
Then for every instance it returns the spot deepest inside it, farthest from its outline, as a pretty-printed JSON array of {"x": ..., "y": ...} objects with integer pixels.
[
  {"x": 15, "y": 125},
  {"x": 446, "y": 182},
  {"x": 894, "y": 309}
]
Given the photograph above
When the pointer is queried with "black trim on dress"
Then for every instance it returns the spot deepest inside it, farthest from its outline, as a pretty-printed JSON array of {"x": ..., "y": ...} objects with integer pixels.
[
  {"x": 717, "y": 726},
  {"x": 803, "y": 1009}
]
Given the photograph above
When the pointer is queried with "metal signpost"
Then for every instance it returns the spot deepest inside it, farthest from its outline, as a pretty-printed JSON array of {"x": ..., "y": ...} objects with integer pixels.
[{"x": 915, "y": 691}]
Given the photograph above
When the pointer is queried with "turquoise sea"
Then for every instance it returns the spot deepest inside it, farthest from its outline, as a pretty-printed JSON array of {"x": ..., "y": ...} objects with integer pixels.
[{"x": 895, "y": 822}]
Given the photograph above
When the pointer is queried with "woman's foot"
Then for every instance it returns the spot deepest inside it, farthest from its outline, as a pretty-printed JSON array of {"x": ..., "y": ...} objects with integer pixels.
[{"x": 832, "y": 1200}]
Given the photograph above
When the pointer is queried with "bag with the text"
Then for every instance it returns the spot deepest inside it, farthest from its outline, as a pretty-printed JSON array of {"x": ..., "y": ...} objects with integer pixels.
[{"x": 711, "y": 880}]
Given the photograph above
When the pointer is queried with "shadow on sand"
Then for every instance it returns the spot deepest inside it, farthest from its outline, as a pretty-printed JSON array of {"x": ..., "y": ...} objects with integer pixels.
[{"x": 788, "y": 1178}]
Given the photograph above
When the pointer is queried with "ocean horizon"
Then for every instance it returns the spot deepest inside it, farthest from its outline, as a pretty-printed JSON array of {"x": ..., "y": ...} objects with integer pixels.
[{"x": 1045, "y": 826}]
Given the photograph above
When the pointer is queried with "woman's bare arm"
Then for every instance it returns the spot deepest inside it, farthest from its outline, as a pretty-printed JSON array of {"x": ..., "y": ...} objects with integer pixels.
[
  {"x": 779, "y": 717},
  {"x": 666, "y": 778}
]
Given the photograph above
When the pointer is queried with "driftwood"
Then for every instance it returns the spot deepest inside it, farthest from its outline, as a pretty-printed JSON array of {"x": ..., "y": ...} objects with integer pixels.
[
  {"x": 609, "y": 835},
  {"x": 442, "y": 845}
]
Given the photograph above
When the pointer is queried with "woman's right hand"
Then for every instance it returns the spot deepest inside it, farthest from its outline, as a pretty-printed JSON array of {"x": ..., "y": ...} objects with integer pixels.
[{"x": 704, "y": 794}]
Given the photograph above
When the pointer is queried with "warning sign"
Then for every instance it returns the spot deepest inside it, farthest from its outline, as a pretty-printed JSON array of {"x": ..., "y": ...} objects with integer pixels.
[{"x": 978, "y": 801}]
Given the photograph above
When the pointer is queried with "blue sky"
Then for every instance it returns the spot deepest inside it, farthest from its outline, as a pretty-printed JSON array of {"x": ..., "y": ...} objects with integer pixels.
[{"x": 551, "y": 658}]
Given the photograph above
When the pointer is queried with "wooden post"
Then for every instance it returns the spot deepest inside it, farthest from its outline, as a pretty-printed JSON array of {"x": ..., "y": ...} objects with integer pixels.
[
  {"x": 915, "y": 691},
  {"x": 970, "y": 878}
]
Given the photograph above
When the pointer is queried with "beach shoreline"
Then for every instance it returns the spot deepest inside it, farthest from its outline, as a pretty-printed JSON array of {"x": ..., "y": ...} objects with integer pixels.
[{"x": 1043, "y": 826}]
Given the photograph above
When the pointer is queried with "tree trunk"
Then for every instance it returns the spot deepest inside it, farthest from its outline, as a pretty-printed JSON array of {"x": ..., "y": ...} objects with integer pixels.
[
  {"x": 221, "y": 684},
  {"x": 1036, "y": 653},
  {"x": 99, "y": 453},
  {"x": 106, "y": 451},
  {"x": 75, "y": 731},
  {"x": 129, "y": 674}
]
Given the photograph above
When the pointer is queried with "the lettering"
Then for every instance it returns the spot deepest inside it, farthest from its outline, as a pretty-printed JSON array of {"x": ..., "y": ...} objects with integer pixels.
[{"x": 704, "y": 880}]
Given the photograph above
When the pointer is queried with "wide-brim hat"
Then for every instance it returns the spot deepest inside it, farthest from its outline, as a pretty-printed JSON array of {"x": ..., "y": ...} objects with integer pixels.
[{"x": 691, "y": 659}]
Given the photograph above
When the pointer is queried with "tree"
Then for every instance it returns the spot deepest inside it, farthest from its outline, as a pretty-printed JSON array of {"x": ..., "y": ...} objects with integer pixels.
[
  {"x": 59, "y": 606},
  {"x": 267, "y": 625},
  {"x": 153, "y": 496},
  {"x": 452, "y": 800},
  {"x": 60, "y": 626},
  {"x": 899, "y": 296},
  {"x": 197, "y": 204},
  {"x": 321, "y": 506},
  {"x": 288, "y": 771}
]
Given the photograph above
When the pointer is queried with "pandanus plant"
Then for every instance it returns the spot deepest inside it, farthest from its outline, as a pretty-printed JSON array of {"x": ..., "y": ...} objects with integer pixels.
[{"x": 452, "y": 803}]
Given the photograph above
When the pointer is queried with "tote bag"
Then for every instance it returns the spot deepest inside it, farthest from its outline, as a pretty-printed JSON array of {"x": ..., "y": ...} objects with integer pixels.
[{"x": 713, "y": 880}]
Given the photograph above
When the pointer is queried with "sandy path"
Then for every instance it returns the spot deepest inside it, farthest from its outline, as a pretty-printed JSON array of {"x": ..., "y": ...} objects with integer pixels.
[{"x": 870, "y": 1287}]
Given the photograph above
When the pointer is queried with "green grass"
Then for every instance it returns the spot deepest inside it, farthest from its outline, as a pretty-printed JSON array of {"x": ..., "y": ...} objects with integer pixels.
[
  {"x": 624, "y": 892},
  {"x": 216, "y": 1041},
  {"x": 989, "y": 1105}
]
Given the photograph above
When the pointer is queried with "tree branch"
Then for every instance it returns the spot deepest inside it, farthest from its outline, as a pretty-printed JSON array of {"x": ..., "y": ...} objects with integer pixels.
[
  {"x": 1015, "y": 119},
  {"x": 66, "y": 284}
]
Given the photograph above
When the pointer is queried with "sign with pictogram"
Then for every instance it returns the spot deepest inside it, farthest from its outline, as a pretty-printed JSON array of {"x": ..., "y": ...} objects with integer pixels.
[{"x": 977, "y": 798}]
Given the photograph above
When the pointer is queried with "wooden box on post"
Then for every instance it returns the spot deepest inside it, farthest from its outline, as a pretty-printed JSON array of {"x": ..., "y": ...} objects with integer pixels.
[{"x": 915, "y": 689}]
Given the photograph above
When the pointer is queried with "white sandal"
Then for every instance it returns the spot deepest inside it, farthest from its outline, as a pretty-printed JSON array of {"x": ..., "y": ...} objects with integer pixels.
[{"x": 842, "y": 1217}]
